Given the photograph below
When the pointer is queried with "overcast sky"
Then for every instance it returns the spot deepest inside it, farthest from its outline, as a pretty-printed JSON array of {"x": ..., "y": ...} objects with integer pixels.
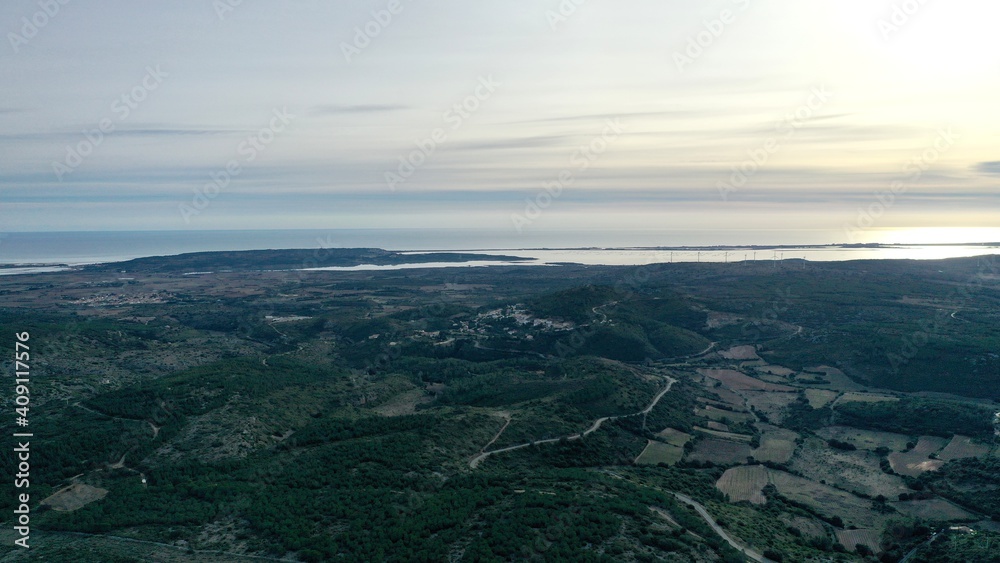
[{"x": 539, "y": 114}]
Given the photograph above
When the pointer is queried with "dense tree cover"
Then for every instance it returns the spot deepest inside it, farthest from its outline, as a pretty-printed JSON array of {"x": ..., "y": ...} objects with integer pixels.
[
  {"x": 382, "y": 511},
  {"x": 339, "y": 429},
  {"x": 960, "y": 547},
  {"x": 973, "y": 483},
  {"x": 802, "y": 417},
  {"x": 915, "y": 416},
  {"x": 622, "y": 324},
  {"x": 576, "y": 305},
  {"x": 75, "y": 443},
  {"x": 202, "y": 389},
  {"x": 333, "y": 478}
]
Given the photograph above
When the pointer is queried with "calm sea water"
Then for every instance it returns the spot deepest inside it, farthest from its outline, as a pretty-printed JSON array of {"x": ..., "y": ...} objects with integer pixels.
[{"x": 589, "y": 247}]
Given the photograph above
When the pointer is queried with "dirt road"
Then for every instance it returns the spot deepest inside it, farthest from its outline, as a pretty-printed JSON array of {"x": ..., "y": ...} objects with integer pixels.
[{"x": 474, "y": 463}]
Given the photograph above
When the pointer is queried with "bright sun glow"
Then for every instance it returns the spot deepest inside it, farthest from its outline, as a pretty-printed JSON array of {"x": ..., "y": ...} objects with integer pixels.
[
  {"x": 943, "y": 235},
  {"x": 923, "y": 42}
]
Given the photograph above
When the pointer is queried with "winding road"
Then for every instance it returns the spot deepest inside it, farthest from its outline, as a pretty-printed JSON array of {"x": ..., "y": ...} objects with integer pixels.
[
  {"x": 750, "y": 553},
  {"x": 474, "y": 462}
]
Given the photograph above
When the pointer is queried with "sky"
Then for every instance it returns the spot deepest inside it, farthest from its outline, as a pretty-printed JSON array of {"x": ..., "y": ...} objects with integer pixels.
[{"x": 850, "y": 118}]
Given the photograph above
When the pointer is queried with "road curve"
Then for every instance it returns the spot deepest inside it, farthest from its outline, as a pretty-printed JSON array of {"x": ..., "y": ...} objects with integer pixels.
[
  {"x": 750, "y": 553},
  {"x": 475, "y": 461}
]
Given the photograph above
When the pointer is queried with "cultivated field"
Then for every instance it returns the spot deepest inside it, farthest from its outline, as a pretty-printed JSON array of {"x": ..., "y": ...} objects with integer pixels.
[
  {"x": 777, "y": 445},
  {"x": 744, "y": 483},
  {"x": 723, "y": 452},
  {"x": 724, "y": 435},
  {"x": 827, "y": 500},
  {"x": 808, "y": 527},
  {"x": 773, "y": 405},
  {"x": 933, "y": 509},
  {"x": 962, "y": 447},
  {"x": 838, "y": 379},
  {"x": 856, "y": 471},
  {"x": 725, "y": 395},
  {"x": 917, "y": 460},
  {"x": 717, "y": 426},
  {"x": 738, "y": 381},
  {"x": 867, "y": 398},
  {"x": 740, "y": 353},
  {"x": 722, "y": 415},
  {"x": 780, "y": 371},
  {"x": 865, "y": 439},
  {"x": 819, "y": 398},
  {"x": 658, "y": 452},
  {"x": 771, "y": 378},
  {"x": 868, "y": 538},
  {"x": 74, "y": 497},
  {"x": 674, "y": 437}
]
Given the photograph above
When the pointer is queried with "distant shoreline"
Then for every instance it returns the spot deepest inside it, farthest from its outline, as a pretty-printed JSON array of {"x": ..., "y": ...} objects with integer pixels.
[
  {"x": 358, "y": 258},
  {"x": 719, "y": 247}
]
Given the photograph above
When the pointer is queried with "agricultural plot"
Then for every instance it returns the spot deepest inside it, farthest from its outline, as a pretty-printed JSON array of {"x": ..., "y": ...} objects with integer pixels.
[
  {"x": 933, "y": 509},
  {"x": 74, "y": 497},
  {"x": 808, "y": 527},
  {"x": 722, "y": 452},
  {"x": 717, "y": 426},
  {"x": 773, "y": 405},
  {"x": 740, "y": 353},
  {"x": 658, "y": 452},
  {"x": 865, "y": 439},
  {"x": 777, "y": 445},
  {"x": 854, "y": 510},
  {"x": 771, "y": 378},
  {"x": 838, "y": 379},
  {"x": 856, "y": 471},
  {"x": 739, "y": 381},
  {"x": 962, "y": 447},
  {"x": 725, "y": 435},
  {"x": 674, "y": 437},
  {"x": 917, "y": 460},
  {"x": 867, "y": 398},
  {"x": 728, "y": 397},
  {"x": 819, "y": 398},
  {"x": 868, "y": 538},
  {"x": 745, "y": 483},
  {"x": 780, "y": 371},
  {"x": 722, "y": 415}
]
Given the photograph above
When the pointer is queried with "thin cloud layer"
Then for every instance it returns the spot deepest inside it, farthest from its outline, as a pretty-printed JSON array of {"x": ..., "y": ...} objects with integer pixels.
[{"x": 463, "y": 112}]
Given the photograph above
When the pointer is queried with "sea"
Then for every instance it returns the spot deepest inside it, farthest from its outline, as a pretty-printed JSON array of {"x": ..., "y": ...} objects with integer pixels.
[{"x": 30, "y": 252}]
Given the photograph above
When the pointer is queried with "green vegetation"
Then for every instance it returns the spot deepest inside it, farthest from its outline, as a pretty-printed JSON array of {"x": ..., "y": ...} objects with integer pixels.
[
  {"x": 436, "y": 415},
  {"x": 919, "y": 417},
  {"x": 973, "y": 483},
  {"x": 961, "y": 547}
]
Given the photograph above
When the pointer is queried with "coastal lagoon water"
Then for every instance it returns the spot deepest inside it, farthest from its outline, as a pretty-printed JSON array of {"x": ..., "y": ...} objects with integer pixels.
[
  {"x": 115, "y": 246},
  {"x": 37, "y": 252}
]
